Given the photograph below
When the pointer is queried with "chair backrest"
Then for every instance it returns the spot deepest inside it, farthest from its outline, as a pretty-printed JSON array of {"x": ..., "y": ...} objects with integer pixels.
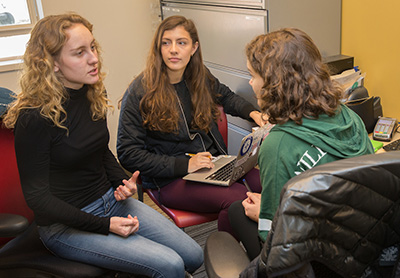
[
  {"x": 223, "y": 125},
  {"x": 11, "y": 196},
  {"x": 365, "y": 109}
]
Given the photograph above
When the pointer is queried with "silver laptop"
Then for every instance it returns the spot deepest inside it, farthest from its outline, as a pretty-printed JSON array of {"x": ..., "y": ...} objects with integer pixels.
[{"x": 228, "y": 168}]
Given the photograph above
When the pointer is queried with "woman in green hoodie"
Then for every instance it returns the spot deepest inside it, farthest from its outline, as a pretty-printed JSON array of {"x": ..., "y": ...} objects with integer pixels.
[{"x": 295, "y": 92}]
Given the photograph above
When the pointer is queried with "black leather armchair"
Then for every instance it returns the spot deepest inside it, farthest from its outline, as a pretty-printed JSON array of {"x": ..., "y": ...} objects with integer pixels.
[{"x": 333, "y": 221}]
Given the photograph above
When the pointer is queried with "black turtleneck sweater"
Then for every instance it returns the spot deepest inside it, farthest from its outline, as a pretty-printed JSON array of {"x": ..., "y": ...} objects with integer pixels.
[{"x": 61, "y": 173}]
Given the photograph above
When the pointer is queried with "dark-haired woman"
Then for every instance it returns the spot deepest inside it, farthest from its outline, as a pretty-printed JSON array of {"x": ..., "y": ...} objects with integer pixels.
[{"x": 169, "y": 110}]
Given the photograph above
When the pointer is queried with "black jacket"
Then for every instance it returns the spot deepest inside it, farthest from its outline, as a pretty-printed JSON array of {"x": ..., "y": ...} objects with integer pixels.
[
  {"x": 341, "y": 214},
  {"x": 160, "y": 157}
]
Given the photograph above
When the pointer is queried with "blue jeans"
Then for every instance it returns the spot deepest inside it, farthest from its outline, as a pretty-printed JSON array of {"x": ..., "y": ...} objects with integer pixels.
[{"x": 157, "y": 249}]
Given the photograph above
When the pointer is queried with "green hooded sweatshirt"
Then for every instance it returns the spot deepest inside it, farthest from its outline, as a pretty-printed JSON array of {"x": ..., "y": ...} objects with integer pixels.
[{"x": 291, "y": 149}]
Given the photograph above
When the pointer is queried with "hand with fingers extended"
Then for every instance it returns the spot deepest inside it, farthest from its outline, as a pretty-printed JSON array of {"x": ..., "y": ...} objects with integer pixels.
[
  {"x": 128, "y": 189},
  {"x": 124, "y": 226},
  {"x": 200, "y": 160}
]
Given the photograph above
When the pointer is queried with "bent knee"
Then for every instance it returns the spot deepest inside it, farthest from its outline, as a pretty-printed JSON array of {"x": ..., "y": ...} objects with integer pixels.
[
  {"x": 195, "y": 260},
  {"x": 170, "y": 267}
]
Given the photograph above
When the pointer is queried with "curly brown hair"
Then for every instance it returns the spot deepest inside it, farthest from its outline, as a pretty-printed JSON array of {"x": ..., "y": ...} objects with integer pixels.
[
  {"x": 297, "y": 83},
  {"x": 159, "y": 106},
  {"x": 41, "y": 87}
]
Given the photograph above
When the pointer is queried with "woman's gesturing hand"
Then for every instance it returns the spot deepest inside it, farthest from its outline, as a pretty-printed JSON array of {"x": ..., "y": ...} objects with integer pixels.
[{"x": 128, "y": 189}]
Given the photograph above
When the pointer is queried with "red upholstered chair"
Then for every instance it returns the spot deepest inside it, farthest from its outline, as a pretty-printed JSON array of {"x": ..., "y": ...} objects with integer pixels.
[
  {"x": 11, "y": 198},
  {"x": 223, "y": 125},
  {"x": 184, "y": 218}
]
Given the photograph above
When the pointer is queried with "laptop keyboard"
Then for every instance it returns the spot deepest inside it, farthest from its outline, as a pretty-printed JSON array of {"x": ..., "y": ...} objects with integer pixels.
[{"x": 224, "y": 173}]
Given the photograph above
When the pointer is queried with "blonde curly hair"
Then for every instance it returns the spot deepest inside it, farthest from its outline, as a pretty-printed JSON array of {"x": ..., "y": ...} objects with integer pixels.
[{"x": 41, "y": 86}]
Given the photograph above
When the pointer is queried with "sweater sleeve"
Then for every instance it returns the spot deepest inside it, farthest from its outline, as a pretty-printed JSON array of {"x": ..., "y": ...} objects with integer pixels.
[
  {"x": 115, "y": 173},
  {"x": 270, "y": 163},
  {"x": 33, "y": 139}
]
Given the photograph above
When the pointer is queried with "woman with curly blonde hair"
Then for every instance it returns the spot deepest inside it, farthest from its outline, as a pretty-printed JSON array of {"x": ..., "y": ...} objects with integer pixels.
[
  {"x": 71, "y": 180},
  {"x": 295, "y": 92},
  {"x": 42, "y": 86}
]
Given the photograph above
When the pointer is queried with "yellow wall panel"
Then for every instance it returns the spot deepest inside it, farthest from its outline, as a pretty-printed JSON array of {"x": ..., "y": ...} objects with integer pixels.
[{"x": 371, "y": 34}]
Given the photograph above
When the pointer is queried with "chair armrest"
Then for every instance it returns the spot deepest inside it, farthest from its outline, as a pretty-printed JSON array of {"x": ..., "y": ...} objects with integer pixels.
[{"x": 12, "y": 225}]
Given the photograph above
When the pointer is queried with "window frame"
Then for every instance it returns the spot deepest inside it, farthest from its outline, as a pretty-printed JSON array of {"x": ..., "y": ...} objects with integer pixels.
[{"x": 35, "y": 13}]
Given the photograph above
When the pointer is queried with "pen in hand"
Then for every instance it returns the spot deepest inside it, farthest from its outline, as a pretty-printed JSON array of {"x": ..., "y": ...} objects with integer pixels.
[
  {"x": 247, "y": 185},
  {"x": 193, "y": 154}
]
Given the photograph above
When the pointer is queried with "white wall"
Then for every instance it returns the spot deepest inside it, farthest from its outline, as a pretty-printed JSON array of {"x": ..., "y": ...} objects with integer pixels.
[{"x": 124, "y": 29}]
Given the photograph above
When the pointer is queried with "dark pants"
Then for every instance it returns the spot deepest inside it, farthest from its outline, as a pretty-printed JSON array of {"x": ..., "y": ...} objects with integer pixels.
[
  {"x": 202, "y": 197},
  {"x": 245, "y": 229}
]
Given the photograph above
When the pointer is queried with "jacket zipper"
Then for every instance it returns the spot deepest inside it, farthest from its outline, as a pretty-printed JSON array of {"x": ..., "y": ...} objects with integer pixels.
[
  {"x": 191, "y": 136},
  {"x": 218, "y": 145}
]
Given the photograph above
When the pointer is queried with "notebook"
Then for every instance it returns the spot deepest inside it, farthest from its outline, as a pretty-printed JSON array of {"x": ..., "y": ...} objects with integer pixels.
[{"x": 228, "y": 168}]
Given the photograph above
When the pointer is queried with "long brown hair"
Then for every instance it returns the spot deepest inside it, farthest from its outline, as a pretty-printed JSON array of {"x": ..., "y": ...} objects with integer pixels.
[
  {"x": 159, "y": 106},
  {"x": 41, "y": 87},
  {"x": 297, "y": 83}
]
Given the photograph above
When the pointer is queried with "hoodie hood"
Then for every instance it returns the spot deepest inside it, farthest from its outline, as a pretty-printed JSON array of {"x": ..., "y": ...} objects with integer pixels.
[{"x": 343, "y": 135}]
